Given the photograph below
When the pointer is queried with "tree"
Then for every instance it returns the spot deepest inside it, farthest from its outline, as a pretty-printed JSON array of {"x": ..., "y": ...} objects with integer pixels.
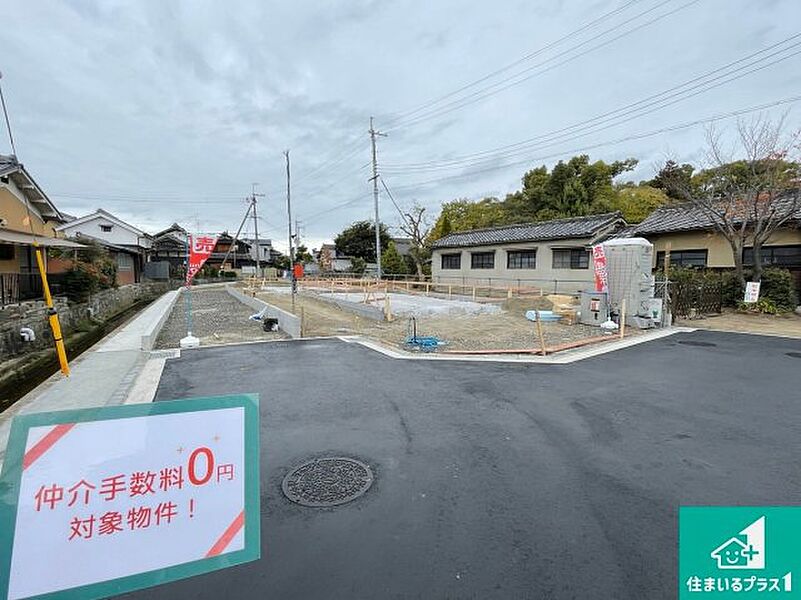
[
  {"x": 671, "y": 176},
  {"x": 463, "y": 215},
  {"x": 635, "y": 202},
  {"x": 358, "y": 265},
  {"x": 748, "y": 199},
  {"x": 392, "y": 262},
  {"x": 302, "y": 255},
  {"x": 358, "y": 240},
  {"x": 415, "y": 225}
]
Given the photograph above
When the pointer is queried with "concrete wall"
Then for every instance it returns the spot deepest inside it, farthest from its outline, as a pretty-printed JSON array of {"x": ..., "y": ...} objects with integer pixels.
[
  {"x": 33, "y": 314},
  {"x": 718, "y": 249},
  {"x": 543, "y": 275},
  {"x": 287, "y": 322}
]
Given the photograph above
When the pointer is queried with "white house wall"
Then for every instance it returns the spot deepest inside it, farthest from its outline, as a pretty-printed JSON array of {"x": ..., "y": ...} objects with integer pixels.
[
  {"x": 543, "y": 276},
  {"x": 118, "y": 235}
]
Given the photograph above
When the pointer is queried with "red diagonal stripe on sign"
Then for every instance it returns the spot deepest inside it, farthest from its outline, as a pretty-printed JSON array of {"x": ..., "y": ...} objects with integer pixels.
[
  {"x": 221, "y": 544},
  {"x": 43, "y": 445}
]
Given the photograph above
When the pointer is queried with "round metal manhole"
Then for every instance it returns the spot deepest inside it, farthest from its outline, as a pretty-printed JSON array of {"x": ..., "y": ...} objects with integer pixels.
[
  {"x": 694, "y": 343},
  {"x": 327, "y": 481},
  {"x": 794, "y": 354}
]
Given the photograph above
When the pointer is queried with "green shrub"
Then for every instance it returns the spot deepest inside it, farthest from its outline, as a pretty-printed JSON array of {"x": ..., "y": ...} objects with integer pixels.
[
  {"x": 765, "y": 306},
  {"x": 777, "y": 286}
]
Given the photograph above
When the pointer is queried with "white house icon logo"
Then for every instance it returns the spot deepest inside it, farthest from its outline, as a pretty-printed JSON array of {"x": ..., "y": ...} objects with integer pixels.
[{"x": 746, "y": 550}]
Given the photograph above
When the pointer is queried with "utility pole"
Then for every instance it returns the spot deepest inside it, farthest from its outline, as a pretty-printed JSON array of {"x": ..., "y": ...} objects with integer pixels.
[
  {"x": 289, "y": 230},
  {"x": 373, "y": 135},
  {"x": 253, "y": 201}
]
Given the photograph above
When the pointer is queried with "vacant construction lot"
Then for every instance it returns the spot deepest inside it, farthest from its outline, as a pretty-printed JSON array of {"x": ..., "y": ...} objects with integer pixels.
[
  {"x": 217, "y": 318},
  {"x": 485, "y": 330}
]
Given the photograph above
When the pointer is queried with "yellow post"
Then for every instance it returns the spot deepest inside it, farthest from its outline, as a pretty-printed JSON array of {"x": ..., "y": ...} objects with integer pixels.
[
  {"x": 450, "y": 289},
  {"x": 52, "y": 314}
]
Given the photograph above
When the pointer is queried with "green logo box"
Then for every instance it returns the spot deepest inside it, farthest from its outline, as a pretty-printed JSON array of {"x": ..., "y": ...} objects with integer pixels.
[{"x": 739, "y": 552}]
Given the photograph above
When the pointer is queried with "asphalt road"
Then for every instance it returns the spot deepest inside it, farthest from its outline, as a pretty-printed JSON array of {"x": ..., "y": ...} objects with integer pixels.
[{"x": 502, "y": 481}]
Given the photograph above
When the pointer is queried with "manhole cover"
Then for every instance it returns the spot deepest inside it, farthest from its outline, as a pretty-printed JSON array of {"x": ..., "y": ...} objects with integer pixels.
[
  {"x": 327, "y": 481},
  {"x": 794, "y": 354},
  {"x": 702, "y": 344}
]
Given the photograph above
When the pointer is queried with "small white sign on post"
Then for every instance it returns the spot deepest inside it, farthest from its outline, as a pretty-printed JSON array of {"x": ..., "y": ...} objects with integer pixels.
[
  {"x": 751, "y": 292},
  {"x": 99, "y": 502}
]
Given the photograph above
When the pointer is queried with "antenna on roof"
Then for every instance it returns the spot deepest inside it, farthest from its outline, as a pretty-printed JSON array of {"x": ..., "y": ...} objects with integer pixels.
[{"x": 8, "y": 123}]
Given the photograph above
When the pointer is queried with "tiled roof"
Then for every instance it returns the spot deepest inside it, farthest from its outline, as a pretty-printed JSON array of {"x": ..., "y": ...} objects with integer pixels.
[
  {"x": 558, "y": 229},
  {"x": 686, "y": 217}
]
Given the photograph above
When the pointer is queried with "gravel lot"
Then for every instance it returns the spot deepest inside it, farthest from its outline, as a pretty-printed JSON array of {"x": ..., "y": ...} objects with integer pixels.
[
  {"x": 217, "y": 318},
  {"x": 501, "y": 330}
]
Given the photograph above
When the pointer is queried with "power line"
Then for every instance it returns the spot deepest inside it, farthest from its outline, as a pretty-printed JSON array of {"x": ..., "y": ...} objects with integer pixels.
[
  {"x": 511, "y": 65},
  {"x": 354, "y": 146},
  {"x": 615, "y": 117},
  {"x": 638, "y": 136},
  {"x": 516, "y": 79}
]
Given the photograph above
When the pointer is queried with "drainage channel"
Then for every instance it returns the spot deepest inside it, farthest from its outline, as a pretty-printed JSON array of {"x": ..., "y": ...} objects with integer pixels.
[{"x": 26, "y": 379}]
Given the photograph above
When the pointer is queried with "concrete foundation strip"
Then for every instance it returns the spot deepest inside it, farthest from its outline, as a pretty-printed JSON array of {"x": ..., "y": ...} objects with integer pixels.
[{"x": 287, "y": 322}]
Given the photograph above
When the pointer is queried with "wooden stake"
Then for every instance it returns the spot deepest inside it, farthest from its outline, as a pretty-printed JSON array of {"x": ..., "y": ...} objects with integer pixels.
[
  {"x": 622, "y": 318},
  {"x": 540, "y": 334}
]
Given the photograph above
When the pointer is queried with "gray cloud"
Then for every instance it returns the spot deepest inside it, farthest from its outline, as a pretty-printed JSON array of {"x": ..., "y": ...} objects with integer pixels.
[{"x": 164, "y": 111}]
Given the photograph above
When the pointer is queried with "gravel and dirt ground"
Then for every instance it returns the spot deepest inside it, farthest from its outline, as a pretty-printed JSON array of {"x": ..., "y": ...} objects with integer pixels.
[
  {"x": 217, "y": 318},
  {"x": 788, "y": 325},
  {"x": 508, "y": 329}
]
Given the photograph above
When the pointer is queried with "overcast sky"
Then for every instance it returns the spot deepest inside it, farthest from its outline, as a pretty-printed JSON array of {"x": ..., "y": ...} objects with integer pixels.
[{"x": 162, "y": 111}]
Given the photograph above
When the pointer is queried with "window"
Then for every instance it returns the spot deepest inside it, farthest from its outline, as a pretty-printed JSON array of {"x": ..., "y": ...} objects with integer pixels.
[
  {"x": 124, "y": 262},
  {"x": 6, "y": 252},
  {"x": 683, "y": 258},
  {"x": 780, "y": 256},
  {"x": 105, "y": 228},
  {"x": 571, "y": 258},
  {"x": 521, "y": 259},
  {"x": 452, "y": 261},
  {"x": 482, "y": 260}
]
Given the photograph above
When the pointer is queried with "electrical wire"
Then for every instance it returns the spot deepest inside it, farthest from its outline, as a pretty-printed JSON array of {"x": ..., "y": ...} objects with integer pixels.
[
  {"x": 511, "y": 65},
  {"x": 638, "y": 136},
  {"x": 611, "y": 118},
  {"x": 516, "y": 79}
]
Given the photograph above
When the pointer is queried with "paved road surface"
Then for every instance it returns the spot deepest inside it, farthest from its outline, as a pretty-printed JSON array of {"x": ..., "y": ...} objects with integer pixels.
[{"x": 502, "y": 481}]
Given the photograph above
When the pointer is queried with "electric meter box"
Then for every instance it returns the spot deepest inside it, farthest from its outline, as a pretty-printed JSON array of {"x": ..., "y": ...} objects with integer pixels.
[{"x": 594, "y": 308}]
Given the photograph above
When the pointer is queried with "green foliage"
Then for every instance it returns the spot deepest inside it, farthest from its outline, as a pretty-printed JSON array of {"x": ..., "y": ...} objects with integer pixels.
[
  {"x": 302, "y": 255},
  {"x": 635, "y": 201},
  {"x": 358, "y": 265},
  {"x": 392, "y": 262},
  {"x": 672, "y": 178},
  {"x": 573, "y": 188},
  {"x": 777, "y": 285},
  {"x": 358, "y": 240},
  {"x": 765, "y": 306},
  {"x": 281, "y": 262},
  {"x": 92, "y": 269},
  {"x": 463, "y": 215}
]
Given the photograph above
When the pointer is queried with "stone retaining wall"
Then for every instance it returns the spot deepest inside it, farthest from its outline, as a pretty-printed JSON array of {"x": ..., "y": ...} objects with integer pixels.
[{"x": 33, "y": 314}]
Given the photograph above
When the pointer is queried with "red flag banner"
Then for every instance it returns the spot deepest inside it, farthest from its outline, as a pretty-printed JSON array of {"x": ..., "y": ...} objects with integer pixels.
[
  {"x": 200, "y": 248},
  {"x": 599, "y": 265}
]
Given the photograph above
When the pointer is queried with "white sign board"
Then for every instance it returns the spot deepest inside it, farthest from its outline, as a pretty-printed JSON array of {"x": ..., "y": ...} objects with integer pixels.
[
  {"x": 751, "y": 292},
  {"x": 120, "y": 498}
]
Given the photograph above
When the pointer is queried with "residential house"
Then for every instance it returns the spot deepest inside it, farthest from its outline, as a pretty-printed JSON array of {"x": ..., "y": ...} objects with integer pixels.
[
  {"x": 554, "y": 254},
  {"x": 689, "y": 235},
  {"x": 264, "y": 251},
  {"x": 128, "y": 244},
  {"x": 235, "y": 254},
  {"x": 333, "y": 261},
  {"x": 169, "y": 245},
  {"x": 26, "y": 215}
]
